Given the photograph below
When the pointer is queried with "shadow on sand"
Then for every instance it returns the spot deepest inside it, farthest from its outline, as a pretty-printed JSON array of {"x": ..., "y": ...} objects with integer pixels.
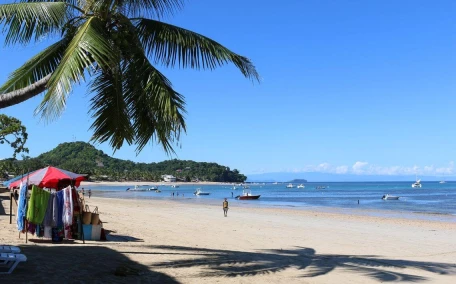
[
  {"x": 4, "y": 199},
  {"x": 81, "y": 264},
  {"x": 230, "y": 263}
]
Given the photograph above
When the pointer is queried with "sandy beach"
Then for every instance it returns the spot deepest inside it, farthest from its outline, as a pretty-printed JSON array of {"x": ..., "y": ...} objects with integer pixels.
[{"x": 172, "y": 242}]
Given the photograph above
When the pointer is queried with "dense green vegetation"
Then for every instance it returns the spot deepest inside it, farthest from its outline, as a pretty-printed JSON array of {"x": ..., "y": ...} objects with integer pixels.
[
  {"x": 13, "y": 133},
  {"x": 83, "y": 158}
]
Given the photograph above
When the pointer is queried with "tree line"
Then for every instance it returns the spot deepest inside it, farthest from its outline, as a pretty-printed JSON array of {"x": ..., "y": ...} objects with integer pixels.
[{"x": 83, "y": 158}]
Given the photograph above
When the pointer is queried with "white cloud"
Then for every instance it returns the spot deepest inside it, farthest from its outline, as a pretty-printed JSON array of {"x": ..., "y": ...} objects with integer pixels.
[
  {"x": 341, "y": 169},
  {"x": 364, "y": 168},
  {"x": 359, "y": 167}
]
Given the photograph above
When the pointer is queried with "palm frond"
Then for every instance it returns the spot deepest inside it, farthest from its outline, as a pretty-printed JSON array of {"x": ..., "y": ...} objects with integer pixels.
[
  {"x": 171, "y": 46},
  {"x": 39, "y": 66},
  {"x": 109, "y": 109},
  {"x": 23, "y": 21},
  {"x": 89, "y": 47},
  {"x": 151, "y": 8},
  {"x": 156, "y": 109}
]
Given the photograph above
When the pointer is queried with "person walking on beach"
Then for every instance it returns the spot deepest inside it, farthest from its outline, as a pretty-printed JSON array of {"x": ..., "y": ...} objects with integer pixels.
[
  {"x": 225, "y": 207},
  {"x": 90, "y": 193}
]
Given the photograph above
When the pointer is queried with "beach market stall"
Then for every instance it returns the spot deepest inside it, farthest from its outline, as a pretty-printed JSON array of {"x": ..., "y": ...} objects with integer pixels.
[{"x": 52, "y": 208}]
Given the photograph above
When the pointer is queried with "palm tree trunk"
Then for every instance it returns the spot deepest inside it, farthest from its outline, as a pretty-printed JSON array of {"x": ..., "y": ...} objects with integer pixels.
[{"x": 18, "y": 96}]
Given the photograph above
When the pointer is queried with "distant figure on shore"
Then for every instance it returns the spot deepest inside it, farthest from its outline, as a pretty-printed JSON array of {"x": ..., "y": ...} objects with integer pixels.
[
  {"x": 83, "y": 193},
  {"x": 90, "y": 193},
  {"x": 225, "y": 207},
  {"x": 173, "y": 193}
]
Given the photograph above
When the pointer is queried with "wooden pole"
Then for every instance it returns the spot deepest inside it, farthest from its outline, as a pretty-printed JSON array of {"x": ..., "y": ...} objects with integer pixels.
[{"x": 11, "y": 207}]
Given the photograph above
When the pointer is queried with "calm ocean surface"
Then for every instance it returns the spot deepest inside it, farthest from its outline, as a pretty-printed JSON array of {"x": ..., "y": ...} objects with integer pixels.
[{"x": 432, "y": 200}]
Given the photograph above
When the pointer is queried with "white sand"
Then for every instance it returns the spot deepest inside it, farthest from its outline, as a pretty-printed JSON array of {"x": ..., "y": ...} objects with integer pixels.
[{"x": 191, "y": 243}]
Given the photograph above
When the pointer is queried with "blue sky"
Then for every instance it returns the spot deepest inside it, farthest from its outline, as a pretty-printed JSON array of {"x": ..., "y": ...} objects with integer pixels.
[{"x": 364, "y": 87}]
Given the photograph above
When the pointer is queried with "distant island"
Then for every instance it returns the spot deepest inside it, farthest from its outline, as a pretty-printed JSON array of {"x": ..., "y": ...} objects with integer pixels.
[
  {"x": 84, "y": 158},
  {"x": 298, "y": 181}
]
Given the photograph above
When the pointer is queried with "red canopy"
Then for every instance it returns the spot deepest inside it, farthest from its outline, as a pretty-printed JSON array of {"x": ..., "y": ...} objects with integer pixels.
[{"x": 49, "y": 177}]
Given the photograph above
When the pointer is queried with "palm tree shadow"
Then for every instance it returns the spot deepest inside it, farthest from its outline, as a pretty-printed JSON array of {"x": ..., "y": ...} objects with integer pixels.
[{"x": 231, "y": 263}]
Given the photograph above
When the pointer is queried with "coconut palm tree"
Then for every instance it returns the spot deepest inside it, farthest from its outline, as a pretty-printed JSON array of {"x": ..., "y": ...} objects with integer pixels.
[{"x": 117, "y": 44}]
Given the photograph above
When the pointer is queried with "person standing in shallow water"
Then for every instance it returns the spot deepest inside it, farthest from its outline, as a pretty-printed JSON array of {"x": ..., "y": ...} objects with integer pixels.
[{"x": 225, "y": 207}]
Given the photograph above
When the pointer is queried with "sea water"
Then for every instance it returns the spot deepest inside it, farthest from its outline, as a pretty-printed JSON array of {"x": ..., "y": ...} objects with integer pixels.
[{"x": 433, "y": 200}]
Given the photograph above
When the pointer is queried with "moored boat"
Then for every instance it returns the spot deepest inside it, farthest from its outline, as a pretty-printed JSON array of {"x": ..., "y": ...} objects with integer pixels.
[
  {"x": 290, "y": 185},
  {"x": 200, "y": 192},
  {"x": 247, "y": 195},
  {"x": 301, "y": 186},
  {"x": 390, "y": 197},
  {"x": 417, "y": 184}
]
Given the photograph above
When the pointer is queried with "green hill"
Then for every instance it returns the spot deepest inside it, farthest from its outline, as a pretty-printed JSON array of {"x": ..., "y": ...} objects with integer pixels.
[{"x": 81, "y": 157}]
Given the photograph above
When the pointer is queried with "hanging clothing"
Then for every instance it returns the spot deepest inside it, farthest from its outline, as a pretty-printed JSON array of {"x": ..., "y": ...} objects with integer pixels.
[
  {"x": 60, "y": 208},
  {"x": 48, "y": 221},
  {"x": 31, "y": 228},
  {"x": 21, "y": 207},
  {"x": 37, "y": 205},
  {"x": 48, "y": 232},
  {"x": 67, "y": 211},
  {"x": 55, "y": 210}
]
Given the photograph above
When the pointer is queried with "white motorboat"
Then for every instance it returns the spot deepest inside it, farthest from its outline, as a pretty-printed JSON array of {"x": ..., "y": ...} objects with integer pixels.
[
  {"x": 290, "y": 185},
  {"x": 442, "y": 181},
  {"x": 138, "y": 188},
  {"x": 175, "y": 186},
  {"x": 200, "y": 192},
  {"x": 416, "y": 184},
  {"x": 390, "y": 197},
  {"x": 301, "y": 186}
]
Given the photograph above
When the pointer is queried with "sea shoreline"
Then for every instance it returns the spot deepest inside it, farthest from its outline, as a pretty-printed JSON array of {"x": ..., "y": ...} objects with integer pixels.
[{"x": 360, "y": 212}]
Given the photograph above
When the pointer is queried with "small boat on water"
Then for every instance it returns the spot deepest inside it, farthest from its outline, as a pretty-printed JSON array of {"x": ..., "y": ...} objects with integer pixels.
[
  {"x": 390, "y": 197},
  {"x": 247, "y": 195},
  {"x": 158, "y": 191},
  {"x": 138, "y": 188},
  {"x": 175, "y": 185},
  {"x": 417, "y": 184},
  {"x": 200, "y": 192},
  {"x": 301, "y": 186},
  {"x": 290, "y": 185}
]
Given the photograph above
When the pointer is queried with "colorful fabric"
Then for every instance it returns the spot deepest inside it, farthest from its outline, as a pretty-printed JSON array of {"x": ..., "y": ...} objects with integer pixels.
[
  {"x": 37, "y": 205},
  {"x": 21, "y": 207},
  {"x": 48, "y": 221},
  {"x": 60, "y": 208},
  {"x": 31, "y": 228},
  {"x": 55, "y": 210},
  {"x": 67, "y": 211},
  {"x": 48, "y": 232}
]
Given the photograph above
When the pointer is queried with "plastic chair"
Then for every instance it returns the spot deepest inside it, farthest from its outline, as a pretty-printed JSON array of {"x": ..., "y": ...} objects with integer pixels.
[
  {"x": 9, "y": 249},
  {"x": 11, "y": 260}
]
